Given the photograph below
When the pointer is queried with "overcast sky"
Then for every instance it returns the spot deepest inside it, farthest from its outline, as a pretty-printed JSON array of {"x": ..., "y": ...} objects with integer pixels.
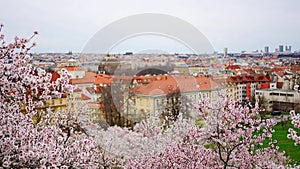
[{"x": 237, "y": 24}]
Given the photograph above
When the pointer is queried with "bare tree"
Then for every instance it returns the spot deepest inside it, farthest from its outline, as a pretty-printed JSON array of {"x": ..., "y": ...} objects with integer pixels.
[
  {"x": 262, "y": 104},
  {"x": 175, "y": 104},
  {"x": 111, "y": 112}
]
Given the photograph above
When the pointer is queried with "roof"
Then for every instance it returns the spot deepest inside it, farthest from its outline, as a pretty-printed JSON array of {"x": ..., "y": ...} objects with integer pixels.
[
  {"x": 249, "y": 78},
  {"x": 256, "y": 68},
  {"x": 233, "y": 67},
  {"x": 96, "y": 105},
  {"x": 73, "y": 68},
  {"x": 77, "y": 90},
  {"x": 84, "y": 97},
  {"x": 239, "y": 71},
  {"x": 88, "y": 78},
  {"x": 54, "y": 77},
  {"x": 95, "y": 90},
  {"x": 102, "y": 79},
  {"x": 207, "y": 83},
  {"x": 171, "y": 83}
]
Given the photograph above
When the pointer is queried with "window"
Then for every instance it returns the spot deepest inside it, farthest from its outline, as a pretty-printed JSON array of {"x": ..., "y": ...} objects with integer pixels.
[
  {"x": 274, "y": 94},
  {"x": 134, "y": 101}
]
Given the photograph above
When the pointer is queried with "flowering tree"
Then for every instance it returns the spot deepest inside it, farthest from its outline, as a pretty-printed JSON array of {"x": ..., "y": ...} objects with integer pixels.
[
  {"x": 147, "y": 139},
  {"x": 237, "y": 135},
  {"x": 296, "y": 122},
  {"x": 233, "y": 137},
  {"x": 56, "y": 139},
  {"x": 188, "y": 153}
]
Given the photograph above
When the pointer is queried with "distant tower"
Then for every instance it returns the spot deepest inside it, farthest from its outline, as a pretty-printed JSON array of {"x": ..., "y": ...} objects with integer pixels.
[
  {"x": 288, "y": 48},
  {"x": 225, "y": 51},
  {"x": 266, "y": 49},
  {"x": 280, "y": 48}
]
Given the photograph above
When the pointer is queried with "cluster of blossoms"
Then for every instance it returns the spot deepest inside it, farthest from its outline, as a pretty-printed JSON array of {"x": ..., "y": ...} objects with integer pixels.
[
  {"x": 292, "y": 133},
  {"x": 30, "y": 138},
  {"x": 233, "y": 136},
  {"x": 148, "y": 138},
  {"x": 295, "y": 122}
]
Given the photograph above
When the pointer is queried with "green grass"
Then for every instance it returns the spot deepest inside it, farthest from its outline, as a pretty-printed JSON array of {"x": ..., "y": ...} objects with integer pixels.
[{"x": 285, "y": 144}]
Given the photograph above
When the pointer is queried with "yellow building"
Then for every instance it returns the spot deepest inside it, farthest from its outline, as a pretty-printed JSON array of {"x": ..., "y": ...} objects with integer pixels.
[
  {"x": 154, "y": 96},
  {"x": 231, "y": 91}
]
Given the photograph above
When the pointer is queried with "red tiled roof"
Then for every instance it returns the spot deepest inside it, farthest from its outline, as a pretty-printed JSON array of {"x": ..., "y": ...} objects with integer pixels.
[
  {"x": 249, "y": 78},
  {"x": 239, "y": 71},
  {"x": 295, "y": 67},
  {"x": 206, "y": 83},
  {"x": 92, "y": 90},
  {"x": 55, "y": 76},
  {"x": 178, "y": 82},
  {"x": 82, "y": 81},
  {"x": 84, "y": 97},
  {"x": 102, "y": 79},
  {"x": 97, "y": 105},
  {"x": 88, "y": 78},
  {"x": 77, "y": 90},
  {"x": 90, "y": 74},
  {"x": 233, "y": 67},
  {"x": 256, "y": 68},
  {"x": 281, "y": 68},
  {"x": 73, "y": 68}
]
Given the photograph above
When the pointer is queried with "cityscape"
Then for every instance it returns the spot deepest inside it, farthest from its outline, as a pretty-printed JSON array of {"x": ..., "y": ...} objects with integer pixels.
[
  {"x": 149, "y": 84},
  {"x": 145, "y": 81}
]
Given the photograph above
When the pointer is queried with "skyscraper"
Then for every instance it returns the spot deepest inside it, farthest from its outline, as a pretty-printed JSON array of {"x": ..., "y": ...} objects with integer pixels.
[
  {"x": 225, "y": 51},
  {"x": 266, "y": 49},
  {"x": 289, "y": 48},
  {"x": 280, "y": 48}
]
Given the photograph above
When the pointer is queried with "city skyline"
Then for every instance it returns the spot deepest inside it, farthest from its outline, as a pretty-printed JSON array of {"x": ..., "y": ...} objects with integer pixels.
[{"x": 239, "y": 26}]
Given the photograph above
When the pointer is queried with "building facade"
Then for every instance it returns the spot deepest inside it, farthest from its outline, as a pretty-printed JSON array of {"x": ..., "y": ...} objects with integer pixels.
[{"x": 280, "y": 100}]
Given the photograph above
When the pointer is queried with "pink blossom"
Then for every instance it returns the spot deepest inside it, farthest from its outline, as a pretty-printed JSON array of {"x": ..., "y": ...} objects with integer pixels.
[
  {"x": 292, "y": 133},
  {"x": 24, "y": 144}
]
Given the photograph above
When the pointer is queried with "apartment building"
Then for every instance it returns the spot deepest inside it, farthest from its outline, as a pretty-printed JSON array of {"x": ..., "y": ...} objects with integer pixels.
[
  {"x": 280, "y": 99},
  {"x": 156, "y": 95}
]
